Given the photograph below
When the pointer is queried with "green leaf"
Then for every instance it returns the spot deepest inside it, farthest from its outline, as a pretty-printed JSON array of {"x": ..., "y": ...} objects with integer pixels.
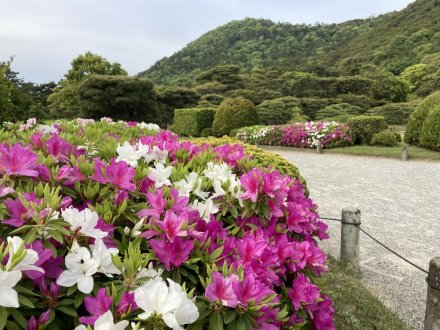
[
  {"x": 67, "y": 310},
  {"x": 215, "y": 321},
  {"x": 19, "y": 318},
  {"x": 3, "y": 317},
  {"x": 25, "y": 301},
  {"x": 229, "y": 316}
]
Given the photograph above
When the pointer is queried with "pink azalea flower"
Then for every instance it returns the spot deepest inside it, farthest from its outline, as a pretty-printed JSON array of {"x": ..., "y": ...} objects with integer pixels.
[
  {"x": 157, "y": 203},
  {"x": 34, "y": 324},
  {"x": 58, "y": 147},
  {"x": 116, "y": 173},
  {"x": 96, "y": 306},
  {"x": 172, "y": 224},
  {"x": 323, "y": 315},
  {"x": 120, "y": 197},
  {"x": 49, "y": 291},
  {"x": 44, "y": 255},
  {"x": 303, "y": 292},
  {"x": 127, "y": 304},
  {"x": 43, "y": 172},
  {"x": 250, "y": 289},
  {"x": 175, "y": 253},
  {"x": 17, "y": 160},
  {"x": 221, "y": 289},
  {"x": 17, "y": 212},
  {"x": 250, "y": 248},
  {"x": 251, "y": 184},
  {"x": 70, "y": 175}
]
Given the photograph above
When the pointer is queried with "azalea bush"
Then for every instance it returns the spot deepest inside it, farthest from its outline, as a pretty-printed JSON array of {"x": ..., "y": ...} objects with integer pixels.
[
  {"x": 299, "y": 135},
  {"x": 115, "y": 225}
]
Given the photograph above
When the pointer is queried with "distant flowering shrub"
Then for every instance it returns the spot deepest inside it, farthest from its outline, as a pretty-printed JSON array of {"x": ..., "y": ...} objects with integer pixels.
[
  {"x": 114, "y": 225},
  {"x": 299, "y": 135}
]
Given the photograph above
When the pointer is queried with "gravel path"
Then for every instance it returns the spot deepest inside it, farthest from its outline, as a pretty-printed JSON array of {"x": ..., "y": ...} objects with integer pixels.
[{"x": 400, "y": 206}]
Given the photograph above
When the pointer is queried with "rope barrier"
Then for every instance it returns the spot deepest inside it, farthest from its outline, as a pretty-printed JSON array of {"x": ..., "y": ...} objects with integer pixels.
[{"x": 383, "y": 245}]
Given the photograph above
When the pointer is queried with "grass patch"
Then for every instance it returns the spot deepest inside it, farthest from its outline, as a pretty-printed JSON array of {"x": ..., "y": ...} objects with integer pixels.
[
  {"x": 390, "y": 152},
  {"x": 355, "y": 306}
]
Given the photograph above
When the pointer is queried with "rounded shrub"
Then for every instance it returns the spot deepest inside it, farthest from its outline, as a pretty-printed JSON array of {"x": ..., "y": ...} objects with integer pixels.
[
  {"x": 206, "y": 132},
  {"x": 394, "y": 113},
  {"x": 386, "y": 139},
  {"x": 364, "y": 127},
  {"x": 430, "y": 133},
  {"x": 416, "y": 120},
  {"x": 278, "y": 111},
  {"x": 338, "y": 109},
  {"x": 234, "y": 113}
]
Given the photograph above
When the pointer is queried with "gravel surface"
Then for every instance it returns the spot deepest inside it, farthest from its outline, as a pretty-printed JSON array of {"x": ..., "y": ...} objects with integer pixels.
[{"x": 400, "y": 206}]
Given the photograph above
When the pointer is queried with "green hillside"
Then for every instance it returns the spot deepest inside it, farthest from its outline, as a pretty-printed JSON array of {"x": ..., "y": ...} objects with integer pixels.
[{"x": 392, "y": 41}]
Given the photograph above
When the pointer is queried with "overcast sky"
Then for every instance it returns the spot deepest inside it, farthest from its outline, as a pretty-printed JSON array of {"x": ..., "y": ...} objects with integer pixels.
[{"x": 45, "y": 35}]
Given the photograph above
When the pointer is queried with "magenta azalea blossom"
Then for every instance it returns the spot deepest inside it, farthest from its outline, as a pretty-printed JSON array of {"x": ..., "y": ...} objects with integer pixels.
[
  {"x": 303, "y": 292},
  {"x": 116, "y": 173},
  {"x": 250, "y": 289},
  {"x": 175, "y": 253},
  {"x": 172, "y": 225},
  {"x": 34, "y": 324},
  {"x": 127, "y": 304},
  {"x": 251, "y": 184},
  {"x": 221, "y": 289},
  {"x": 18, "y": 213},
  {"x": 17, "y": 160},
  {"x": 96, "y": 306}
]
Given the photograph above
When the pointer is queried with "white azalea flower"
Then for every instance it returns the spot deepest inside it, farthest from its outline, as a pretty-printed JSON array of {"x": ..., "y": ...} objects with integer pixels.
[
  {"x": 149, "y": 272},
  {"x": 105, "y": 322},
  {"x": 85, "y": 221},
  {"x": 160, "y": 175},
  {"x": 80, "y": 268},
  {"x": 103, "y": 255},
  {"x": 28, "y": 262},
  {"x": 186, "y": 186},
  {"x": 127, "y": 153},
  {"x": 8, "y": 296},
  {"x": 47, "y": 129},
  {"x": 206, "y": 208},
  {"x": 159, "y": 155},
  {"x": 156, "y": 297},
  {"x": 220, "y": 172},
  {"x": 151, "y": 127}
]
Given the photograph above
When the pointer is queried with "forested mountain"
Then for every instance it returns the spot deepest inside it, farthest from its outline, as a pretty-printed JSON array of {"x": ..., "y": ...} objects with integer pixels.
[{"x": 392, "y": 41}]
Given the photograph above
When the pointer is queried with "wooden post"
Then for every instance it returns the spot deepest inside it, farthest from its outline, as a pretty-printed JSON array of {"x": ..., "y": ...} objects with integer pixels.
[
  {"x": 405, "y": 152},
  {"x": 351, "y": 220},
  {"x": 318, "y": 146},
  {"x": 432, "y": 313}
]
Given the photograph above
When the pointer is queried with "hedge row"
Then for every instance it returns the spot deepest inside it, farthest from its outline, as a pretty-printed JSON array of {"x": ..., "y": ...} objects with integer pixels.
[{"x": 192, "y": 121}]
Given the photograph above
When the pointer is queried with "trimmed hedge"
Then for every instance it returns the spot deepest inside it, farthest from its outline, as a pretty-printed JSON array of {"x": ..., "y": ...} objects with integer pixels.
[
  {"x": 430, "y": 134},
  {"x": 338, "y": 109},
  {"x": 192, "y": 121},
  {"x": 234, "y": 113},
  {"x": 415, "y": 123},
  {"x": 386, "y": 139},
  {"x": 364, "y": 127}
]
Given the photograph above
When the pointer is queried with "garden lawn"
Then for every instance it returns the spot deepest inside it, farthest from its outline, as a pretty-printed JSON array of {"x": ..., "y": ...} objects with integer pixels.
[
  {"x": 355, "y": 307},
  {"x": 390, "y": 152}
]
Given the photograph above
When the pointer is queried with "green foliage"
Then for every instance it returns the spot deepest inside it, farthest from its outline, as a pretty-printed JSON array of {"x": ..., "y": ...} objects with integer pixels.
[
  {"x": 394, "y": 113},
  {"x": 334, "y": 86},
  {"x": 430, "y": 133},
  {"x": 417, "y": 118},
  {"x": 171, "y": 98},
  {"x": 191, "y": 122},
  {"x": 118, "y": 97},
  {"x": 364, "y": 127},
  {"x": 16, "y": 102},
  {"x": 386, "y": 139},
  {"x": 278, "y": 111},
  {"x": 392, "y": 41},
  {"x": 338, "y": 109},
  {"x": 300, "y": 84},
  {"x": 234, "y": 113},
  {"x": 429, "y": 80},
  {"x": 63, "y": 102},
  {"x": 206, "y": 132}
]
